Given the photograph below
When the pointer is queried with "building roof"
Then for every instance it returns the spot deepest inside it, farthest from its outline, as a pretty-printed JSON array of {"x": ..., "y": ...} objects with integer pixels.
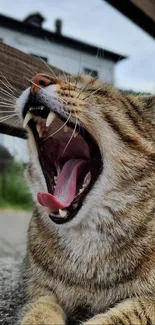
[
  {"x": 44, "y": 34},
  {"x": 142, "y": 13}
]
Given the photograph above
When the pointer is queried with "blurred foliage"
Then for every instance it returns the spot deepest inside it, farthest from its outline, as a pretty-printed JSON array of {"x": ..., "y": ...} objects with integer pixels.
[
  {"x": 13, "y": 189},
  {"x": 132, "y": 92},
  {"x": 4, "y": 153}
]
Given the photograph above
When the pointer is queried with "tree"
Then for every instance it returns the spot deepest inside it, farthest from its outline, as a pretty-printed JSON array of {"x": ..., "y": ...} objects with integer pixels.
[{"x": 5, "y": 160}]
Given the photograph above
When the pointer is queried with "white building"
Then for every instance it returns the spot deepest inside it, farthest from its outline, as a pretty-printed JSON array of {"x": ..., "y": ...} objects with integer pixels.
[{"x": 68, "y": 54}]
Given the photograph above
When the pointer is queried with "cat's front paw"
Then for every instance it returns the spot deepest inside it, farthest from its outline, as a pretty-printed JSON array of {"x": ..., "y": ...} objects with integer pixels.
[
  {"x": 43, "y": 313},
  {"x": 102, "y": 319},
  {"x": 99, "y": 319}
]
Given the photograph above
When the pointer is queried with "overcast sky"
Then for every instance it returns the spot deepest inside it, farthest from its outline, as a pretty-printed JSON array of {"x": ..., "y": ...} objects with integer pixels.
[{"x": 96, "y": 22}]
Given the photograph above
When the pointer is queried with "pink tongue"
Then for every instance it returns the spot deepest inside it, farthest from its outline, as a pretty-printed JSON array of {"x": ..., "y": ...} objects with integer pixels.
[{"x": 66, "y": 187}]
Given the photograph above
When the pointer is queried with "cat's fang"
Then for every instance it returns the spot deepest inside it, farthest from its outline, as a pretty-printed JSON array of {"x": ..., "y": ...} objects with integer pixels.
[
  {"x": 50, "y": 118},
  {"x": 27, "y": 118}
]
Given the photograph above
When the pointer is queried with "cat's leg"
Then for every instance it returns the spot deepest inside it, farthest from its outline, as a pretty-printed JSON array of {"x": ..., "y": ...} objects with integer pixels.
[
  {"x": 129, "y": 312},
  {"x": 43, "y": 309}
]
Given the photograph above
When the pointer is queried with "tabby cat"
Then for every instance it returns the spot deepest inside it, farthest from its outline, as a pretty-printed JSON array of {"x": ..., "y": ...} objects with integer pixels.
[{"x": 91, "y": 242}]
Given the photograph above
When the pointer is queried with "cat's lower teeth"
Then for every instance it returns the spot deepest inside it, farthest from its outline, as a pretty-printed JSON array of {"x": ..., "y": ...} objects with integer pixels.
[
  {"x": 62, "y": 213},
  {"x": 85, "y": 182},
  {"x": 39, "y": 130},
  {"x": 81, "y": 190},
  {"x": 55, "y": 179}
]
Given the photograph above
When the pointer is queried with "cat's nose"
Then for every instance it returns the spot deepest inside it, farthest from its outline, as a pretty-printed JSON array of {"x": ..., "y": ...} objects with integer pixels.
[{"x": 39, "y": 81}]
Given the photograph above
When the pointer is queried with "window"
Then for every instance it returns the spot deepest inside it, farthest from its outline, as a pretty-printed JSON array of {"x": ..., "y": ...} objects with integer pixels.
[
  {"x": 40, "y": 57},
  {"x": 93, "y": 73}
]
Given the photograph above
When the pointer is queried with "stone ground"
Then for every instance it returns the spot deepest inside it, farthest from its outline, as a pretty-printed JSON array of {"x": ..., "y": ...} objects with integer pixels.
[{"x": 13, "y": 229}]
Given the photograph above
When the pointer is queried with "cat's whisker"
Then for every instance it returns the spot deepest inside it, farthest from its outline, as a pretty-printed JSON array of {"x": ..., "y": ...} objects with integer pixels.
[
  {"x": 76, "y": 81},
  {"x": 6, "y": 111},
  {"x": 7, "y": 101},
  {"x": 78, "y": 73},
  {"x": 32, "y": 82},
  {"x": 9, "y": 84},
  {"x": 82, "y": 90},
  {"x": 6, "y": 93},
  {"x": 92, "y": 93},
  {"x": 97, "y": 55},
  {"x": 59, "y": 98},
  {"x": 78, "y": 122},
  {"x": 14, "y": 113},
  {"x": 11, "y": 126},
  {"x": 128, "y": 172},
  {"x": 51, "y": 135},
  {"x": 7, "y": 108},
  {"x": 29, "y": 67},
  {"x": 62, "y": 100},
  {"x": 7, "y": 105},
  {"x": 6, "y": 90},
  {"x": 68, "y": 76},
  {"x": 7, "y": 96},
  {"x": 50, "y": 69},
  {"x": 65, "y": 75},
  {"x": 8, "y": 117},
  {"x": 70, "y": 139}
]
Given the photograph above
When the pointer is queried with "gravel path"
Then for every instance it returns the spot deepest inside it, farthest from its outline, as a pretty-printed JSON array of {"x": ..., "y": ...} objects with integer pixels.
[{"x": 13, "y": 229}]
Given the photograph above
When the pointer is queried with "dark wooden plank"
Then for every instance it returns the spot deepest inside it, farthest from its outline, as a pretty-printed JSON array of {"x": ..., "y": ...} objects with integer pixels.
[
  {"x": 13, "y": 131},
  {"x": 147, "y": 6},
  {"x": 141, "y": 12},
  {"x": 17, "y": 68}
]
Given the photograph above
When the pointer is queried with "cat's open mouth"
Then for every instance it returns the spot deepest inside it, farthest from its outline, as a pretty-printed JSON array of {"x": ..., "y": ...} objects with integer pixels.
[{"x": 70, "y": 160}]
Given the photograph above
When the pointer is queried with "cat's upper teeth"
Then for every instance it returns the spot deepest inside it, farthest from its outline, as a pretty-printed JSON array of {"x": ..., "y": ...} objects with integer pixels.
[
  {"x": 50, "y": 118},
  {"x": 40, "y": 127},
  {"x": 27, "y": 118}
]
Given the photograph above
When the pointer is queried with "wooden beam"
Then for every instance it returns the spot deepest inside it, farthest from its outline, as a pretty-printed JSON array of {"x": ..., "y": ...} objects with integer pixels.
[
  {"x": 147, "y": 7},
  {"x": 142, "y": 13},
  {"x": 13, "y": 131},
  {"x": 17, "y": 69}
]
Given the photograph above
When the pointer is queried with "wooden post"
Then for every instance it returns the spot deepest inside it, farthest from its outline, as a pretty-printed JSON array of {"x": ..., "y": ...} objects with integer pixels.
[{"x": 17, "y": 69}]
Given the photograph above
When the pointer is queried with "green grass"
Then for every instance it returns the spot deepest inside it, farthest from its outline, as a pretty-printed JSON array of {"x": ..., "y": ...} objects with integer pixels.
[
  {"x": 14, "y": 192},
  {"x": 13, "y": 206}
]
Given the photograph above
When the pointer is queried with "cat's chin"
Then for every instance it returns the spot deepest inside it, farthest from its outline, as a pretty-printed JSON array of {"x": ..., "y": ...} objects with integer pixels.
[{"x": 70, "y": 161}]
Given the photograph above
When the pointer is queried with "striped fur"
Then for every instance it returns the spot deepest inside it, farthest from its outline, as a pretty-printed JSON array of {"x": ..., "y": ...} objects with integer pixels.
[{"x": 100, "y": 268}]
